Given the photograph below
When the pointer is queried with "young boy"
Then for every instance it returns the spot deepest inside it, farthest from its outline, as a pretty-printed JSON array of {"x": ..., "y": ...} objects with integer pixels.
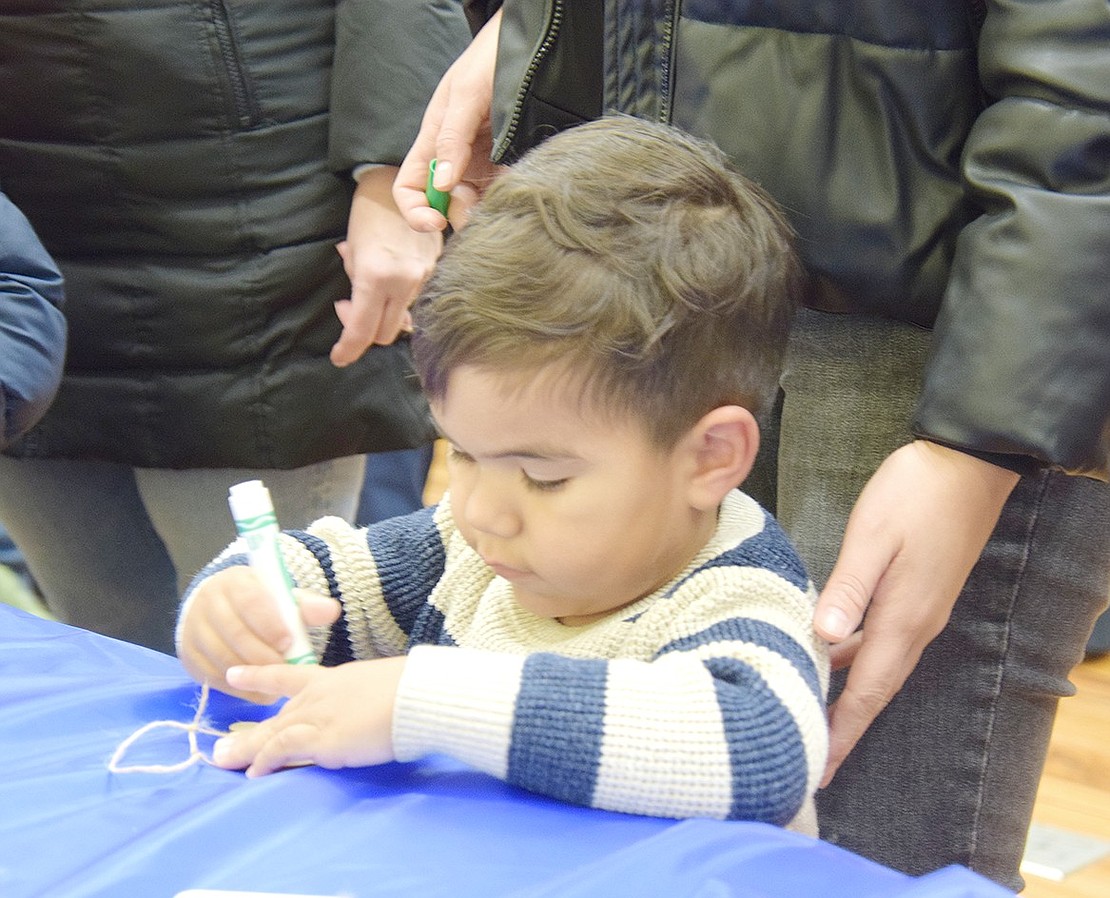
[{"x": 594, "y": 611}]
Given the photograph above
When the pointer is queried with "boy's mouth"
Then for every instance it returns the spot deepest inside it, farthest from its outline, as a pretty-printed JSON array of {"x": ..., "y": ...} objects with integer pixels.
[{"x": 504, "y": 570}]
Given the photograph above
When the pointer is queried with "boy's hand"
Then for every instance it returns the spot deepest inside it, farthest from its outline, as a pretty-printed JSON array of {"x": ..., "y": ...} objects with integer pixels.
[
  {"x": 335, "y": 717},
  {"x": 232, "y": 620}
]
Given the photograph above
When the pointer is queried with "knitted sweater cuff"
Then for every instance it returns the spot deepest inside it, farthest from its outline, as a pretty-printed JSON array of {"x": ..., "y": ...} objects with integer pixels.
[{"x": 459, "y": 702}]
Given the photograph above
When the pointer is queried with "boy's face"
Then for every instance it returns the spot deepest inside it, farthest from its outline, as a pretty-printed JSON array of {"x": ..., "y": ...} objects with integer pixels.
[{"x": 577, "y": 509}]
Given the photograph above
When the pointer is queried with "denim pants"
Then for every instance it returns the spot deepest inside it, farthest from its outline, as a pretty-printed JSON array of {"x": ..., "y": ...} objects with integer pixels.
[
  {"x": 948, "y": 772},
  {"x": 112, "y": 547},
  {"x": 394, "y": 484}
]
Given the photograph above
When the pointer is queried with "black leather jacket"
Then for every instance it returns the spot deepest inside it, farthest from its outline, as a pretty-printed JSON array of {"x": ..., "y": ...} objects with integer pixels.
[
  {"x": 188, "y": 166},
  {"x": 937, "y": 173}
]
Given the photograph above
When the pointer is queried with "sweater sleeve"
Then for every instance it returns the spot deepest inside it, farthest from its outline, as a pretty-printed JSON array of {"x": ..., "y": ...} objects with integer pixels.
[
  {"x": 32, "y": 328},
  {"x": 382, "y": 576},
  {"x": 726, "y": 720},
  {"x": 389, "y": 57},
  {"x": 1021, "y": 362}
]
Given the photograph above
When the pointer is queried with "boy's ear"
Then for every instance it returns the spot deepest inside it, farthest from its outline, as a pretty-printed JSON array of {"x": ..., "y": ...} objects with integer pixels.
[{"x": 722, "y": 447}]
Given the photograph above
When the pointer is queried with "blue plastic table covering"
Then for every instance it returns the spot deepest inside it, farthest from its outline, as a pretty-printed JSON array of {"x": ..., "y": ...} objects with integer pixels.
[{"x": 69, "y": 828}]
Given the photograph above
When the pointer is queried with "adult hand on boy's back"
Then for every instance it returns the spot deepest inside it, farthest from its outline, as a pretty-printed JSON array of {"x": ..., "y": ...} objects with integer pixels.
[
  {"x": 231, "y": 619},
  {"x": 335, "y": 717},
  {"x": 913, "y": 537}
]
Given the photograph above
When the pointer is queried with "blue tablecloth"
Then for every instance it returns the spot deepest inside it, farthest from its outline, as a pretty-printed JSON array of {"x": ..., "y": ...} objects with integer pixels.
[{"x": 70, "y": 828}]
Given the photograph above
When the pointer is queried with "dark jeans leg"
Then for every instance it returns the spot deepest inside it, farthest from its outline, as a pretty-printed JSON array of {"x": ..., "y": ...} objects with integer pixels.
[
  {"x": 948, "y": 772},
  {"x": 394, "y": 484}
]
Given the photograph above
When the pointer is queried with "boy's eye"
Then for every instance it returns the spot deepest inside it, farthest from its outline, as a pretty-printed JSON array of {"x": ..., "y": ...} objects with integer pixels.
[{"x": 545, "y": 486}]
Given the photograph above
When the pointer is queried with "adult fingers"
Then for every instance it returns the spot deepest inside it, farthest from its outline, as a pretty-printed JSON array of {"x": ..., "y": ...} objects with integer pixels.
[
  {"x": 878, "y": 671},
  {"x": 842, "y": 654},
  {"x": 361, "y": 323},
  {"x": 457, "y": 113}
]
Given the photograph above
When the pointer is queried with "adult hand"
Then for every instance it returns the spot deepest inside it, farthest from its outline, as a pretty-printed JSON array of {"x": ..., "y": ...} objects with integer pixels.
[
  {"x": 231, "y": 619},
  {"x": 335, "y": 717},
  {"x": 455, "y": 131},
  {"x": 913, "y": 537},
  {"x": 386, "y": 261}
]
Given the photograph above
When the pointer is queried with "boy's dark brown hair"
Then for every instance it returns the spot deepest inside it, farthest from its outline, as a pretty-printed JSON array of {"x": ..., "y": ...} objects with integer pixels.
[{"x": 632, "y": 254}]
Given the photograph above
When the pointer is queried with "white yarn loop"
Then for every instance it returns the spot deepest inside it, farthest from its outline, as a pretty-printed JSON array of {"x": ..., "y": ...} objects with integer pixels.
[{"x": 194, "y": 727}]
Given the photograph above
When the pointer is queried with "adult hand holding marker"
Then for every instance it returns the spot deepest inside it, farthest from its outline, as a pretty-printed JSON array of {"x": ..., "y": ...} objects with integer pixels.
[
  {"x": 455, "y": 132},
  {"x": 256, "y": 522}
]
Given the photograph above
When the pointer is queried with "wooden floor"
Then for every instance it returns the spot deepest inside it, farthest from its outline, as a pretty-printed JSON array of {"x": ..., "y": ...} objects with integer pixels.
[{"x": 1075, "y": 790}]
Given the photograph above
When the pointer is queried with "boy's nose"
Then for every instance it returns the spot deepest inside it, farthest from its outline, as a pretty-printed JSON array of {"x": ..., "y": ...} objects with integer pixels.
[{"x": 489, "y": 510}]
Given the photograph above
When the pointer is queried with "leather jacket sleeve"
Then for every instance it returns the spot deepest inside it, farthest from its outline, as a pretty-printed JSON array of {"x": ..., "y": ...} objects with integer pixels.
[
  {"x": 1021, "y": 364},
  {"x": 32, "y": 329}
]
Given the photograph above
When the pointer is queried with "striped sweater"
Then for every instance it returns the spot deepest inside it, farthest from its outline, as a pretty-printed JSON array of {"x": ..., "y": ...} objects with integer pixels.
[{"x": 705, "y": 698}]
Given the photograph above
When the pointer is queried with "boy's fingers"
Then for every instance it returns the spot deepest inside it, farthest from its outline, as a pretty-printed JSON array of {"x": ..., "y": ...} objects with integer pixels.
[
  {"x": 271, "y": 679},
  {"x": 265, "y": 748},
  {"x": 250, "y": 622},
  {"x": 236, "y": 751},
  {"x": 317, "y": 610},
  {"x": 248, "y": 632}
]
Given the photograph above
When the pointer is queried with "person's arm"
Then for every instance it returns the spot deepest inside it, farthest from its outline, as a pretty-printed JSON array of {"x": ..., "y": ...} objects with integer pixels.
[
  {"x": 1021, "y": 363},
  {"x": 727, "y": 726},
  {"x": 727, "y": 721},
  {"x": 455, "y": 131},
  {"x": 1020, "y": 375},
  {"x": 389, "y": 56},
  {"x": 361, "y": 589},
  {"x": 913, "y": 537},
  {"x": 386, "y": 261},
  {"x": 32, "y": 327}
]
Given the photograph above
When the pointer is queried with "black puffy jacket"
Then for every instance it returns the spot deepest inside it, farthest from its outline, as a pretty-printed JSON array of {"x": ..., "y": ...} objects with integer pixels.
[
  {"x": 174, "y": 158},
  {"x": 936, "y": 173}
]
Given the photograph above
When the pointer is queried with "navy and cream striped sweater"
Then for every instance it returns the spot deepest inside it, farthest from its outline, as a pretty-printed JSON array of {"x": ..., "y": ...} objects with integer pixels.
[{"x": 705, "y": 698}]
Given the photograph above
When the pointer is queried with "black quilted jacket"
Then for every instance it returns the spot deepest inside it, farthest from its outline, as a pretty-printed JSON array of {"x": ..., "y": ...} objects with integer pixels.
[{"x": 176, "y": 160}]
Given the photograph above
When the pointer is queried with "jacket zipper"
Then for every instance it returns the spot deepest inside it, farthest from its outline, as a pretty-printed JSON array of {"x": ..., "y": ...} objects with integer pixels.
[
  {"x": 229, "y": 51},
  {"x": 553, "y": 24},
  {"x": 666, "y": 65}
]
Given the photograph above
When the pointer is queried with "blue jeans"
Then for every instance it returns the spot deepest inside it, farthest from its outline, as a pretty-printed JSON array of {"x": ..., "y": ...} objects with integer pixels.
[
  {"x": 1099, "y": 643},
  {"x": 394, "y": 484},
  {"x": 112, "y": 547},
  {"x": 948, "y": 772},
  {"x": 11, "y": 557}
]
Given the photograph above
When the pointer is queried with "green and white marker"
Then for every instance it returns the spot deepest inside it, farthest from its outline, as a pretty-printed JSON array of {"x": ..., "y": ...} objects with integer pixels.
[{"x": 255, "y": 521}]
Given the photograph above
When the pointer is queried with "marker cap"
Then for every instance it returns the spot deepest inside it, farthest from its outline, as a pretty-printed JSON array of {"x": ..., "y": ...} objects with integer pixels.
[
  {"x": 249, "y": 499},
  {"x": 437, "y": 199}
]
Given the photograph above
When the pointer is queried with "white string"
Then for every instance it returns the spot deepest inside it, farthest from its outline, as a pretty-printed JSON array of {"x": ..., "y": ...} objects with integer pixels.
[{"x": 195, "y": 726}]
